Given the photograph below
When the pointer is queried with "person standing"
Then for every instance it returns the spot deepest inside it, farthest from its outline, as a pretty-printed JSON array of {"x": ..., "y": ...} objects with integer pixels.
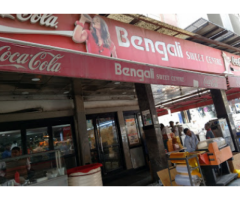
[
  {"x": 7, "y": 152},
  {"x": 174, "y": 128},
  {"x": 209, "y": 134},
  {"x": 190, "y": 141}
]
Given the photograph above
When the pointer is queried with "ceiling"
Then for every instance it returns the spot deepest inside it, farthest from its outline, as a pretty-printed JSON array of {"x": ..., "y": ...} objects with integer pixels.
[
  {"x": 16, "y": 86},
  {"x": 216, "y": 33},
  {"x": 20, "y": 86},
  {"x": 164, "y": 93},
  {"x": 199, "y": 99}
]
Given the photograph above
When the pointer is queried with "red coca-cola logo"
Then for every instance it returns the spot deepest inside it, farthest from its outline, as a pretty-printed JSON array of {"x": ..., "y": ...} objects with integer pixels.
[
  {"x": 210, "y": 82},
  {"x": 42, "y": 61}
]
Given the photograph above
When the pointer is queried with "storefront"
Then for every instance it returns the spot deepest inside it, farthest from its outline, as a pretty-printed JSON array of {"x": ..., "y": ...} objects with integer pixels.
[{"x": 95, "y": 129}]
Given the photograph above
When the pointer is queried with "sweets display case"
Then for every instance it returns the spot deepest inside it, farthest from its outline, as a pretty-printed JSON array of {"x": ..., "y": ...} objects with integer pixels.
[{"x": 38, "y": 169}]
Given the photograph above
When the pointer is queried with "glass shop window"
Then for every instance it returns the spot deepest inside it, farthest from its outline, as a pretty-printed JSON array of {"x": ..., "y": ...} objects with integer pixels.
[
  {"x": 37, "y": 140},
  {"x": 8, "y": 140},
  {"x": 62, "y": 139}
]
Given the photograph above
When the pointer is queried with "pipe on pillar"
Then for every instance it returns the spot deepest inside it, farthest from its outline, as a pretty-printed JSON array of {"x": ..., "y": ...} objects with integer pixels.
[
  {"x": 223, "y": 111},
  {"x": 83, "y": 148},
  {"x": 153, "y": 135}
]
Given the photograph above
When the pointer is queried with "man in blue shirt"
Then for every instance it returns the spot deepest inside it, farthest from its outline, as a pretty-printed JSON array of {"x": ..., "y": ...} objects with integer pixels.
[
  {"x": 190, "y": 141},
  {"x": 7, "y": 152},
  {"x": 209, "y": 134}
]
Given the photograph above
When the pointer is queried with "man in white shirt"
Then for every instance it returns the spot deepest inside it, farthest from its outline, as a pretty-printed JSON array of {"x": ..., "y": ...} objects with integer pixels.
[{"x": 190, "y": 141}]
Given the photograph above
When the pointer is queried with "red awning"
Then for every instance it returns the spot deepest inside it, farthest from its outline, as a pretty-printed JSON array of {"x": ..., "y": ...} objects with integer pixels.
[{"x": 195, "y": 102}]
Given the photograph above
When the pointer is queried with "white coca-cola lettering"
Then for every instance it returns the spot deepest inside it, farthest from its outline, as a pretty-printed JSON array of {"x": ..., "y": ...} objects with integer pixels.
[
  {"x": 210, "y": 82},
  {"x": 49, "y": 20},
  {"x": 23, "y": 17},
  {"x": 13, "y": 57},
  {"x": 235, "y": 61},
  {"x": 38, "y": 61},
  {"x": 35, "y": 18},
  {"x": 44, "y": 19},
  {"x": 7, "y": 16},
  {"x": 22, "y": 59}
]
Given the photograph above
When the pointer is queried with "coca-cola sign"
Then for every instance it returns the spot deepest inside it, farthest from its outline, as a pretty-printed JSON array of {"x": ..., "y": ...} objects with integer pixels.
[
  {"x": 22, "y": 58},
  {"x": 43, "y": 19},
  {"x": 235, "y": 61},
  {"x": 40, "y": 61},
  {"x": 210, "y": 82}
]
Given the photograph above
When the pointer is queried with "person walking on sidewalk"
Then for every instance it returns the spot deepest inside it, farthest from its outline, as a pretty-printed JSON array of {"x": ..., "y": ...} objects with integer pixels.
[{"x": 209, "y": 134}]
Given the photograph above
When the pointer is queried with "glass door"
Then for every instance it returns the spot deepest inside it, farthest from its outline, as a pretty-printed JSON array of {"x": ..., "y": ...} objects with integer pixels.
[
  {"x": 136, "y": 141},
  {"x": 104, "y": 142}
]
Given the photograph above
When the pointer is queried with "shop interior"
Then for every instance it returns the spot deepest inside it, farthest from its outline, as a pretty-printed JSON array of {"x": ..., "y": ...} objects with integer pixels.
[{"x": 37, "y": 115}]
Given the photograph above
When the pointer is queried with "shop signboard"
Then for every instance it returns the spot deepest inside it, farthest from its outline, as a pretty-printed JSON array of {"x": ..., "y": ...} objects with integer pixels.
[
  {"x": 48, "y": 61},
  {"x": 118, "y": 40},
  {"x": 132, "y": 131}
]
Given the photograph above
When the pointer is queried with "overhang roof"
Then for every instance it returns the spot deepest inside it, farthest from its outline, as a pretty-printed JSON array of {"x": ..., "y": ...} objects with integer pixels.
[
  {"x": 214, "y": 32},
  {"x": 190, "y": 102}
]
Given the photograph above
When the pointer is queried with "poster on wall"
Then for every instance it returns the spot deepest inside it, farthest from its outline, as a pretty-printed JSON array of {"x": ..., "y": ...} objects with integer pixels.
[
  {"x": 237, "y": 105},
  {"x": 147, "y": 120},
  {"x": 132, "y": 131}
]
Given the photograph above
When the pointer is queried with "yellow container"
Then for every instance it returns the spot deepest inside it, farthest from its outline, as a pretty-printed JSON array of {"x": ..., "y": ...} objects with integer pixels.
[
  {"x": 192, "y": 161},
  {"x": 237, "y": 171}
]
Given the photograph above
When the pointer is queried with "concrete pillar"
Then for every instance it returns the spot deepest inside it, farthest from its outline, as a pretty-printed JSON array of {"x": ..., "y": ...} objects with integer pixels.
[
  {"x": 126, "y": 150},
  {"x": 153, "y": 135},
  {"x": 83, "y": 148},
  {"x": 223, "y": 111}
]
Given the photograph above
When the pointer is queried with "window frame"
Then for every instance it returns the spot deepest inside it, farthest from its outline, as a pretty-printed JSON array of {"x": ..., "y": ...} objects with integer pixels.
[{"x": 49, "y": 123}]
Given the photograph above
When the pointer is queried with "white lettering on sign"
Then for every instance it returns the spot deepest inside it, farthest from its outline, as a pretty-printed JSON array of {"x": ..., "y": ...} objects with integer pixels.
[
  {"x": 194, "y": 56},
  {"x": 163, "y": 77},
  {"x": 37, "y": 61},
  {"x": 215, "y": 61},
  {"x": 235, "y": 61},
  {"x": 145, "y": 44},
  {"x": 7, "y": 16},
  {"x": 172, "y": 78},
  {"x": 176, "y": 78},
  {"x": 43, "y": 19},
  {"x": 133, "y": 72},
  {"x": 210, "y": 82}
]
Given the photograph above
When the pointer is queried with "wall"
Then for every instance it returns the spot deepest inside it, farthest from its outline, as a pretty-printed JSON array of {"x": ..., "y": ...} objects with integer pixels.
[{"x": 235, "y": 20}]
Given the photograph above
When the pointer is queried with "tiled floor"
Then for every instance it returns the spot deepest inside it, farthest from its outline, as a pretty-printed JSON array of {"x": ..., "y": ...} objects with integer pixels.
[{"x": 138, "y": 179}]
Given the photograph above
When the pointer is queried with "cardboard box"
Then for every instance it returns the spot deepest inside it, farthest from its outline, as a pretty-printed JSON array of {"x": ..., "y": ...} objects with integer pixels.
[
  {"x": 164, "y": 177},
  {"x": 235, "y": 163}
]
